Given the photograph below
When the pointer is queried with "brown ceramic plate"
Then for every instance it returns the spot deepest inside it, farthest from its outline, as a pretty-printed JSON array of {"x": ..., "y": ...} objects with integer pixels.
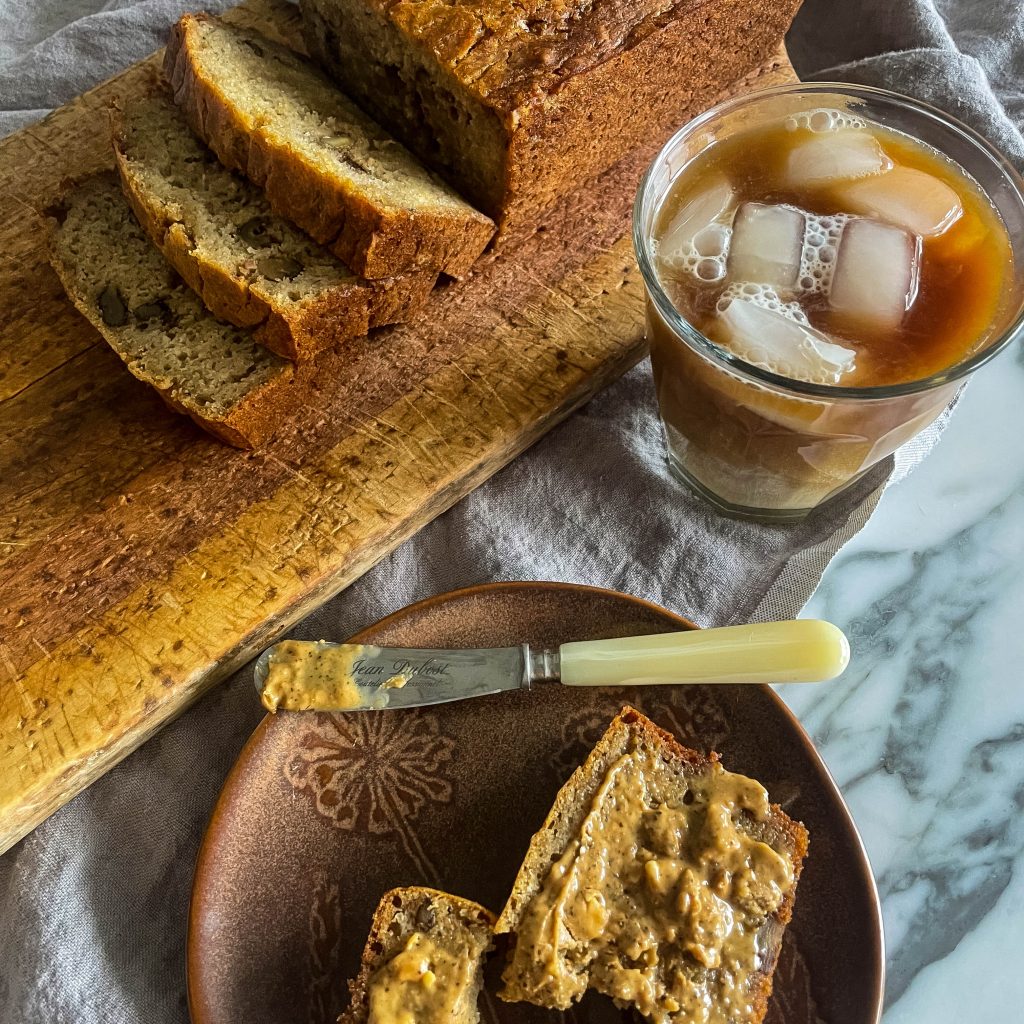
[{"x": 322, "y": 813}]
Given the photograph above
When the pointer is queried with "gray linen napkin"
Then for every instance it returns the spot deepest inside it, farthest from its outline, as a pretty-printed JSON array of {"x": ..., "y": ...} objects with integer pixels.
[{"x": 93, "y": 903}]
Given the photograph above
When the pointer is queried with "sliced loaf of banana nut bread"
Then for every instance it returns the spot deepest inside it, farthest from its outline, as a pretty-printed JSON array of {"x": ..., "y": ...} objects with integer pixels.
[
  {"x": 423, "y": 959},
  {"x": 250, "y": 267},
  {"x": 213, "y": 372},
  {"x": 520, "y": 103},
  {"x": 658, "y": 879},
  {"x": 269, "y": 113}
]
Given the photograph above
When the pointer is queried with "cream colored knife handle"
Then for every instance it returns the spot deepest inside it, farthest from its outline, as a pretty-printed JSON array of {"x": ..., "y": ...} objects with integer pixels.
[{"x": 799, "y": 651}]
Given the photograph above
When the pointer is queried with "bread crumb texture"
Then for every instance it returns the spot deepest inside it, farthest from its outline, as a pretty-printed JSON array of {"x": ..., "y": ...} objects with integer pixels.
[{"x": 212, "y": 370}]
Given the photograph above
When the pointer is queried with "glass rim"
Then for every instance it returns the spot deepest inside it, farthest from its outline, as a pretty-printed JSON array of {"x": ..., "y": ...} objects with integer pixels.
[{"x": 700, "y": 343}]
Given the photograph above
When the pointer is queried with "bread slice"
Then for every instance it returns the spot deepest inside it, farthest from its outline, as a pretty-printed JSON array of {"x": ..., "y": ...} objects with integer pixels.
[
  {"x": 213, "y": 372},
  {"x": 415, "y": 929},
  {"x": 250, "y": 267},
  {"x": 636, "y": 884},
  {"x": 269, "y": 113}
]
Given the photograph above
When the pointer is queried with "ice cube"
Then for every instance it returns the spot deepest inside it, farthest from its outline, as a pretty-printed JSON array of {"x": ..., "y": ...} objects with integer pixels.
[
  {"x": 834, "y": 157},
  {"x": 875, "y": 280},
  {"x": 677, "y": 247},
  {"x": 767, "y": 243},
  {"x": 910, "y": 199},
  {"x": 782, "y": 344}
]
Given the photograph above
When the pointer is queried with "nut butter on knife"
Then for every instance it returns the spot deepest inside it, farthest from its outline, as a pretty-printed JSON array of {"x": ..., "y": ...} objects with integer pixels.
[{"x": 299, "y": 675}]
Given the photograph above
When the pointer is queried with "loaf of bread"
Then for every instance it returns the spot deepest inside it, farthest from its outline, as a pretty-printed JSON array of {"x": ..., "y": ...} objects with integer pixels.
[
  {"x": 250, "y": 267},
  {"x": 213, "y": 372},
  {"x": 326, "y": 166},
  {"x": 659, "y": 879},
  {"x": 423, "y": 960},
  {"x": 519, "y": 103}
]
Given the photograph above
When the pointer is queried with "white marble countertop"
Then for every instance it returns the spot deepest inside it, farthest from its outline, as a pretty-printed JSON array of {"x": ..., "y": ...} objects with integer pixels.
[{"x": 925, "y": 732}]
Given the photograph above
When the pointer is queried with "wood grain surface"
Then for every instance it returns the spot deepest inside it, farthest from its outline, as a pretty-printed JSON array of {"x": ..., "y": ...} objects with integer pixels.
[{"x": 141, "y": 562}]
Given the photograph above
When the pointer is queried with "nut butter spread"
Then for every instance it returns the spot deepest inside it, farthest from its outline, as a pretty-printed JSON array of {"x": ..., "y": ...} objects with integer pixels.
[
  {"x": 302, "y": 675},
  {"x": 425, "y": 983},
  {"x": 659, "y": 899}
]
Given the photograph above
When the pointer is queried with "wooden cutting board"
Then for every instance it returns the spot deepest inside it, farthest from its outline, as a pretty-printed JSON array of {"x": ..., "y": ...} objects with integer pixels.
[{"x": 141, "y": 562}]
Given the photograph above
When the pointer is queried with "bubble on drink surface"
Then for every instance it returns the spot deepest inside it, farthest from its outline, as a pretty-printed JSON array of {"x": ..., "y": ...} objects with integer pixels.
[
  {"x": 759, "y": 327},
  {"x": 823, "y": 119},
  {"x": 763, "y": 295},
  {"x": 713, "y": 241},
  {"x": 696, "y": 240},
  {"x": 818, "y": 258},
  {"x": 710, "y": 269}
]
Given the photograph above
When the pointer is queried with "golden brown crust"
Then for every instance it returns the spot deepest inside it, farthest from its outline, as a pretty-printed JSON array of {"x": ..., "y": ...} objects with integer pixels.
[
  {"x": 373, "y": 242},
  {"x": 335, "y": 316},
  {"x": 253, "y": 420},
  {"x": 378, "y": 949},
  {"x": 643, "y": 94},
  {"x": 556, "y": 91},
  {"x": 256, "y": 418},
  {"x": 573, "y": 801},
  {"x": 510, "y": 56}
]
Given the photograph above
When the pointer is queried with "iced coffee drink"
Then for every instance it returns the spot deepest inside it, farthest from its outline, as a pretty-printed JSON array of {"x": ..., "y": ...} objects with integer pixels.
[{"x": 823, "y": 271}]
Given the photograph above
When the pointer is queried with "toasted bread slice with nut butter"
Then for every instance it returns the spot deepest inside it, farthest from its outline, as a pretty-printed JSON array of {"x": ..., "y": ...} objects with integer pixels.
[
  {"x": 659, "y": 879},
  {"x": 423, "y": 959}
]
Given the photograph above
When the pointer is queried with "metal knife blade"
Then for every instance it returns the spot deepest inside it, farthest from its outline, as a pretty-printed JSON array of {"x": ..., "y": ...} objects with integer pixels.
[{"x": 296, "y": 675}]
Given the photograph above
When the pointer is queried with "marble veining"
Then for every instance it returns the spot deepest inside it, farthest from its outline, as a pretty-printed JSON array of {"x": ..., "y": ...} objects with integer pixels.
[{"x": 925, "y": 732}]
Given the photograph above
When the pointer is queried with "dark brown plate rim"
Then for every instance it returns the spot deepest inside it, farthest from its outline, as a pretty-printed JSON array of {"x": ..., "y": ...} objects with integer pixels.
[{"x": 202, "y": 881}]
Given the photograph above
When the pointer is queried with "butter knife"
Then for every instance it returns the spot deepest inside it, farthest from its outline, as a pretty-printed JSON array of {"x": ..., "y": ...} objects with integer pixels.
[{"x": 298, "y": 675}]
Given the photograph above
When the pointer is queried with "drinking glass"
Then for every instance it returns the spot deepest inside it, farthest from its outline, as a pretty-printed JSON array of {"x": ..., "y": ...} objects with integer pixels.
[{"x": 756, "y": 443}]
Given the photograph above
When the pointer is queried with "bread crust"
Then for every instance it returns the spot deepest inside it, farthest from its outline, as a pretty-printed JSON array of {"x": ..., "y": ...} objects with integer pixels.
[
  {"x": 643, "y": 98},
  {"x": 256, "y": 417},
  {"x": 573, "y": 803},
  {"x": 569, "y": 88},
  {"x": 378, "y": 949},
  {"x": 374, "y": 242},
  {"x": 296, "y": 332}
]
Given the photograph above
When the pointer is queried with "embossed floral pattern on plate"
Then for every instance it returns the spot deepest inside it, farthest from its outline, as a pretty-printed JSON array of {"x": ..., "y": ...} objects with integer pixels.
[{"x": 375, "y": 772}]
